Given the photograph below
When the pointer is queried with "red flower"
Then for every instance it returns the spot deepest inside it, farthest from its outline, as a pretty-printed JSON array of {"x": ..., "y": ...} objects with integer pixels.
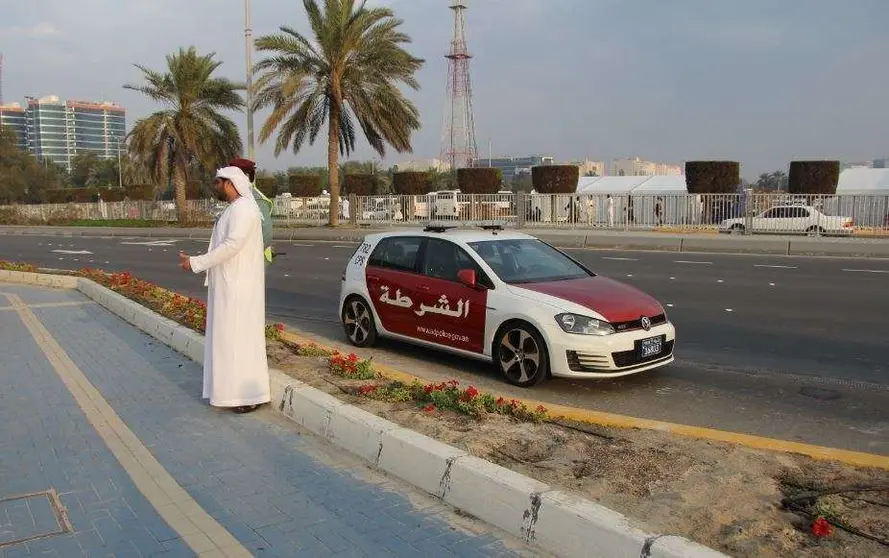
[
  {"x": 428, "y": 389},
  {"x": 353, "y": 357},
  {"x": 821, "y": 528},
  {"x": 429, "y": 408},
  {"x": 279, "y": 327},
  {"x": 500, "y": 401},
  {"x": 471, "y": 392},
  {"x": 541, "y": 409}
]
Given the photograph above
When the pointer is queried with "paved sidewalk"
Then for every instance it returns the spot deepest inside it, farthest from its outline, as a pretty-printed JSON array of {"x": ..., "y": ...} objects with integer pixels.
[{"x": 93, "y": 411}]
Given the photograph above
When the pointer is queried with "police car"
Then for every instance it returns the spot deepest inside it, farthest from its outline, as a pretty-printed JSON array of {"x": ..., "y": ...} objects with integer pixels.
[{"x": 505, "y": 297}]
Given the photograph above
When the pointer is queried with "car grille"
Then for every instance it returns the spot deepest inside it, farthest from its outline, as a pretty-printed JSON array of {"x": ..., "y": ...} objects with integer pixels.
[
  {"x": 637, "y": 324},
  {"x": 587, "y": 362},
  {"x": 625, "y": 359}
]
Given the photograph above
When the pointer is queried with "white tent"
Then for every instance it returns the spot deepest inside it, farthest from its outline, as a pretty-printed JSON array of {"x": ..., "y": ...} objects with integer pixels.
[{"x": 863, "y": 195}]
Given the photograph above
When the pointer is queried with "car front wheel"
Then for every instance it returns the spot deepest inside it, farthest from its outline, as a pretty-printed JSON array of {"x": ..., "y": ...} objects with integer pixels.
[
  {"x": 358, "y": 322},
  {"x": 520, "y": 355}
]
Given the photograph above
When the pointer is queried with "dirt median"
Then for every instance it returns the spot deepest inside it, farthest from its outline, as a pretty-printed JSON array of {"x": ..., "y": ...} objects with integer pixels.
[{"x": 721, "y": 495}]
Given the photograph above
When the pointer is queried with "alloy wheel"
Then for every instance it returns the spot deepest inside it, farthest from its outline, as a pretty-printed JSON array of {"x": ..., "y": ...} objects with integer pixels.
[
  {"x": 357, "y": 321},
  {"x": 519, "y": 356}
]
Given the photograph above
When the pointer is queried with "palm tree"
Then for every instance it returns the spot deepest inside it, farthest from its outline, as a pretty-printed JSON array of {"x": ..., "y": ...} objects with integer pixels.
[
  {"x": 191, "y": 131},
  {"x": 348, "y": 72}
]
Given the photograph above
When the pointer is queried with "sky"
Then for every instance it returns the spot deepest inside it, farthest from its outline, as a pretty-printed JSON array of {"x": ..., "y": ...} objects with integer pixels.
[{"x": 762, "y": 82}]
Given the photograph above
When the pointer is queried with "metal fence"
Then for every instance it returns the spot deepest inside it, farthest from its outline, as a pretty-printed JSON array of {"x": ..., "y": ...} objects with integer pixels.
[{"x": 778, "y": 213}]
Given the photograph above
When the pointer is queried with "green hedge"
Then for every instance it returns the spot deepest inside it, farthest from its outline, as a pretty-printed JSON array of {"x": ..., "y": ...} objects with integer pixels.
[
  {"x": 712, "y": 177},
  {"x": 479, "y": 180},
  {"x": 268, "y": 185},
  {"x": 411, "y": 183},
  {"x": 555, "y": 179},
  {"x": 304, "y": 185},
  {"x": 360, "y": 184},
  {"x": 813, "y": 177}
]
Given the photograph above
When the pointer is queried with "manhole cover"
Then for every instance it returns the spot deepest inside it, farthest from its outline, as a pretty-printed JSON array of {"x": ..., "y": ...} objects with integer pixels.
[
  {"x": 821, "y": 394},
  {"x": 32, "y": 516}
]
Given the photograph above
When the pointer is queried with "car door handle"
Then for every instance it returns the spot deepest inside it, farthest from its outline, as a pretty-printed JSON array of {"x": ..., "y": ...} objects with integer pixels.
[
  {"x": 373, "y": 277},
  {"x": 424, "y": 288}
]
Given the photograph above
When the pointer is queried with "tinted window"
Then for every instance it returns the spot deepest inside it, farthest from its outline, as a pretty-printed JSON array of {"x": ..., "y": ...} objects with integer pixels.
[
  {"x": 444, "y": 259},
  {"x": 398, "y": 253},
  {"x": 771, "y": 214},
  {"x": 799, "y": 212},
  {"x": 527, "y": 261}
]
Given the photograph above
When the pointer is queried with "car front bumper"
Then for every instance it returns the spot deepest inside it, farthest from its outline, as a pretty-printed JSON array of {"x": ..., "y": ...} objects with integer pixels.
[{"x": 608, "y": 356}]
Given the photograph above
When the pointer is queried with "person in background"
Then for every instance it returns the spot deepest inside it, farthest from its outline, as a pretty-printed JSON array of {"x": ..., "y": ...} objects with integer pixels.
[
  {"x": 236, "y": 372},
  {"x": 659, "y": 211},
  {"x": 610, "y": 211},
  {"x": 264, "y": 203}
]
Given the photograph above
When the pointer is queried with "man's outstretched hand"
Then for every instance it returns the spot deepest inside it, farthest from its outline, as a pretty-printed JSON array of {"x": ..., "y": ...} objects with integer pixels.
[{"x": 184, "y": 261}]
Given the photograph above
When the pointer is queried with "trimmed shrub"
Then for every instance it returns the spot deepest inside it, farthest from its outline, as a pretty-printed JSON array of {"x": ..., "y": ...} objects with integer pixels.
[
  {"x": 479, "y": 180},
  {"x": 410, "y": 183},
  {"x": 268, "y": 185},
  {"x": 304, "y": 185},
  {"x": 712, "y": 177},
  {"x": 813, "y": 177},
  {"x": 555, "y": 179},
  {"x": 140, "y": 192},
  {"x": 360, "y": 184}
]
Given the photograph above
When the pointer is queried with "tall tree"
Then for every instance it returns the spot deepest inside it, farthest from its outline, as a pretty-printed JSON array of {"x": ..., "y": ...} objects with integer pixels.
[
  {"x": 349, "y": 70},
  {"x": 191, "y": 132}
]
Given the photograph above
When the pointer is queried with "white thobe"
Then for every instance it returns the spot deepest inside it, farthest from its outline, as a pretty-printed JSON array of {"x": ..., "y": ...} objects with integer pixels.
[{"x": 235, "y": 365}]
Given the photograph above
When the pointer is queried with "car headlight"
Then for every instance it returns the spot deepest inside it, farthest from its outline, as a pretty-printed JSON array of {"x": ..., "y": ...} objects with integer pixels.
[{"x": 583, "y": 325}]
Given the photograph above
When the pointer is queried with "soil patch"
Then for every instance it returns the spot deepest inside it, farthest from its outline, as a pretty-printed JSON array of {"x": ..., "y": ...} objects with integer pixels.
[{"x": 726, "y": 497}]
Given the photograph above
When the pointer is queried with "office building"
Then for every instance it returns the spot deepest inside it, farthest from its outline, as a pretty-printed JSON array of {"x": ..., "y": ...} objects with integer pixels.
[
  {"x": 513, "y": 167},
  {"x": 14, "y": 117},
  {"x": 640, "y": 167},
  {"x": 58, "y": 131}
]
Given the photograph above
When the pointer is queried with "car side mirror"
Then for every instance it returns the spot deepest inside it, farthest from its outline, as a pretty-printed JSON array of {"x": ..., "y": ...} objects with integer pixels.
[{"x": 468, "y": 278}]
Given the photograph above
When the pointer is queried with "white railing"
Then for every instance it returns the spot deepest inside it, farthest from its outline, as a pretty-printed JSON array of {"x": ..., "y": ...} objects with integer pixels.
[{"x": 777, "y": 213}]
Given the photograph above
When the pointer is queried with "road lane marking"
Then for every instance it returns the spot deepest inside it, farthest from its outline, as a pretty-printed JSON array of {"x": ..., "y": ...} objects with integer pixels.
[
  {"x": 866, "y": 270},
  {"x": 71, "y": 251},
  {"x": 776, "y": 266},
  {"x": 304, "y": 245},
  {"x": 338, "y": 246},
  {"x": 691, "y": 262},
  {"x": 620, "y": 259},
  {"x": 198, "y": 529}
]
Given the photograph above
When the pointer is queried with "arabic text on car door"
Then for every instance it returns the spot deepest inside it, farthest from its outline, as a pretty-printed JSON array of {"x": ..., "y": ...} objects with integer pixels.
[
  {"x": 390, "y": 274},
  {"x": 449, "y": 312}
]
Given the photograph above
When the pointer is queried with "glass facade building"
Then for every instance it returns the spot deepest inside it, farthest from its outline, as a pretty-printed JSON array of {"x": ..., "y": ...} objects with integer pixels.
[
  {"x": 14, "y": 117},
  {"x": 59, "y": 131},
  {"x": 514, "y": 166}
]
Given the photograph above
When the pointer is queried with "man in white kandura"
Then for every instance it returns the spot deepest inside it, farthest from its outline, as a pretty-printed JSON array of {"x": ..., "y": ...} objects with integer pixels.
[{"x": 236, "y": 372}]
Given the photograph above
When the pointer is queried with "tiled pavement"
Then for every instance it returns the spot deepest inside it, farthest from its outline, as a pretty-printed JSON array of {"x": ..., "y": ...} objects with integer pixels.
[{"x": 278, "y": 491}]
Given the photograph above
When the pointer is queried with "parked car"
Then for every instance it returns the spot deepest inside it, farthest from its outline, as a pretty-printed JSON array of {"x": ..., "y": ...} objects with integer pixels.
[
  {"x": 791, "y": 219},
  {"x": 504, "y": 297}
]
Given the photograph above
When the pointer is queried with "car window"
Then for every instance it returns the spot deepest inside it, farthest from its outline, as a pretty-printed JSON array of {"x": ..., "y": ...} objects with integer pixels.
[
  {"x": 398, "y": 253},
  {"x": 444, "y": 259},
  {"x": 800, "y": 212},
  {"x": 527, "y": 261}
]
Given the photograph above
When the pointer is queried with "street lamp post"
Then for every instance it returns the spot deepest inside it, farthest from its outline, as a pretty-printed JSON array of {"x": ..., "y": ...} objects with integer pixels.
[
  {"x": 248, "y": 32},
  {"x": 119, "y": 167}
]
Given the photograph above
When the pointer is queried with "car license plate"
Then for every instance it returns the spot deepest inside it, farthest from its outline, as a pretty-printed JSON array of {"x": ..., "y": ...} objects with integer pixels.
[{"x": 650, "y": 347}]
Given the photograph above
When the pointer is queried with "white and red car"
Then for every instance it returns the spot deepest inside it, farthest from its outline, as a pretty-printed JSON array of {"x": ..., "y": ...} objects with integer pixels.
[{"x": 505, "y": 297}]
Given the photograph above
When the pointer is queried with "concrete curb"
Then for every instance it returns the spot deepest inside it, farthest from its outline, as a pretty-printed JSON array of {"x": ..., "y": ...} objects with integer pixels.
[
  {"x": 556, "y": 521},
  {"x": 606, "y": 240}
]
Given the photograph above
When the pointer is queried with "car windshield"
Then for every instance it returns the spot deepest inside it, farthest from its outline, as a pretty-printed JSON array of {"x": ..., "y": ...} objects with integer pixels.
[{"x": 527, "y": 261}]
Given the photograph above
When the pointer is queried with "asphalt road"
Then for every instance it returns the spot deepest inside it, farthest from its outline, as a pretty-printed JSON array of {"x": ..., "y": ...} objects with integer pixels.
[{"x": 787, "y": 347}]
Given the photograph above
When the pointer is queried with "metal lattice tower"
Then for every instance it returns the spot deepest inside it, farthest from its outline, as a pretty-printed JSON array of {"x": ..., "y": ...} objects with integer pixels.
[{"x": 458, "y": 147}]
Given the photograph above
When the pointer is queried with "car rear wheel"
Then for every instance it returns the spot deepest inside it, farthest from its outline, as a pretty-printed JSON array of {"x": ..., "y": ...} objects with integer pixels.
[
  {"x": 814, "y": 231},
  {"x": 358, "y": 322},
  {"x": 521, "y": 356},
  {"x": 737, "y": 229}
]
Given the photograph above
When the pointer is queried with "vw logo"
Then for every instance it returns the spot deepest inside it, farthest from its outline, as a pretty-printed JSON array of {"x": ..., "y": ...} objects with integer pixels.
[{"x": 646, "y": 323}]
